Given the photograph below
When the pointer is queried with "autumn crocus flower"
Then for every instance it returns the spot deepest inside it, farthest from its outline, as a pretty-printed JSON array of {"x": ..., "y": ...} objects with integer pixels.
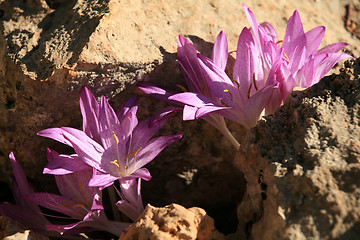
[
  {"x": 78, "y": 201},
  {"x": 264, "y": 73},
  {"x": 301, "y": 65},
  {"x": 204, "y": 103},
  {"x": 24, "y": 209},
  {"x": 118, "y": 146}
]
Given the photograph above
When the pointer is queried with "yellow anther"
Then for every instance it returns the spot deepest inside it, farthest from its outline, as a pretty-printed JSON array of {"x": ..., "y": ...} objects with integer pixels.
[
  {"x": 116, "y": 139},
  {"x": 126, "y": 167},
  {"x": 116, "y": 163},
  {"x": 287, "y": 57},
  {"x": 182, "y": 87},
  {"x": 249, "y": 91},
  {"x": 237, "y": 84},
  {"x": 229, "y": 93},
  {"x": 133, "y": 153},
  {"x": 254, "y": 81}
]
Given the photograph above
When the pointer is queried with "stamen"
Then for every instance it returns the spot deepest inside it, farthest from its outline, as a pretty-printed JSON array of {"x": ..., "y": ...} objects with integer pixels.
[
  {"x": 126, "y": 167},
  {"x": 116, "y": 163},
  {"x": 249, "y": 91},
  {"x": 237, "y": 84},
  {"x": 181, "y": 87},
  {"x": 133, "y": 153},
  {"x": 287, "y": 57},
  {"x": 229, "y": 93},
  {"x": 254, "y": 81},
  {"x": 223, "y": 103},
  {"x": 116, "y": 139},
  {"x": 278, "y": 42}
]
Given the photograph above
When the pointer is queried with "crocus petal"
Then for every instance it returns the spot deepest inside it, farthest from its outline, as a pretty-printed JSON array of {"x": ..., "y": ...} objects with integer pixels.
[
  {"x": 60, "y": 204},
  {"x": 220, "y": 51},
  {"x": 189, "y": 112},
  {"x": 65, "y": 164},
  {"x": 102, "y": 180},
  {"x": 21, "y": 214},
  {"x": 76, "y": 186},
  {"x": 332, "y": 48},
  {"x": 109, "y": 125},
  {"x": 157, "y": 92},
  {"x": 187, "y": 57},
  {"x": 129, "y": 106},
  {"x": 147, "y": 128},
  {"x": 56, "y": 134},
  {"x": 152, "y": 149},
  {"x": 193, "y": 99},
  {"x": 313, "y": 40},
  {"x": 142, "y": 173},
  {"x": 86, "y": 148},
  {"x": 270, "y": 31},
  {"x": 294, "y": 30},
  {"x": 90, "y": 112}
]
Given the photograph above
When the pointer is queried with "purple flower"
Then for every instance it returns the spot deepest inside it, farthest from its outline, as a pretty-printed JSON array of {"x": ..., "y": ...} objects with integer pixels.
[
  {"x": 78, "y": 201},
  {"x": 24, "y": 208},
  {"x": 115, "y": 145},
  {"x": 131, "y": 203},
  {"x": 204, "y": 104},
  {"x": 264, "y": 73}
]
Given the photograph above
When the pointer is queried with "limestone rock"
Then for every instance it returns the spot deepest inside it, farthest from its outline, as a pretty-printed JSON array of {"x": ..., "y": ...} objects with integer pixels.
[
  {"x": 172, "y": 222},
  {"x": 10, "y": 230},
  {"x": 302, "y": 165}
]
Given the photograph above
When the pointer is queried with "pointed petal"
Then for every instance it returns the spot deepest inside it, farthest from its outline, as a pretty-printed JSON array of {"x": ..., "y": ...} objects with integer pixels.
[
  {"x": 90, "y": 112},
  {"x": 56, "y": 134},
  {"x": 332, "y": 48},
  {"x": 64, "y": 164},
  {"x": 149, "y": 127},
  {"x": 102, "y": 180},
  {"x": 220, "y": 51},
  {"x": 87, "y": 149},
  {"x": 60, "y": 204},
  {"x": 109, "y": 125},
  {"x": 21, "y": 214},
  {"x": 129, "y": 106},
  {"x": 189, "y": 112},
  {"x": 313, "y": 40},
  {"x": 187, "y": 57},
  {"x": 151, "y": 150},
  {"x": 294, "y": 29},
  {"x": 270, "y": 31},
  {"x": 157, "y": 92}
]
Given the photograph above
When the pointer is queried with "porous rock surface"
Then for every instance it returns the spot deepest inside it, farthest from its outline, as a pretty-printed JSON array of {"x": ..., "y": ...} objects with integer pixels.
[
  {"x": 302, "y": 165},
  {"x": 47, "y": 55},
  {"x": 172, "y": 222}
]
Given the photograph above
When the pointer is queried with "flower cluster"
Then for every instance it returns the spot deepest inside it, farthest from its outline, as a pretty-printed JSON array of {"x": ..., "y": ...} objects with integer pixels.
[
  {"x": 266, "y": 71},
  {"x": 112, "y": 148}
]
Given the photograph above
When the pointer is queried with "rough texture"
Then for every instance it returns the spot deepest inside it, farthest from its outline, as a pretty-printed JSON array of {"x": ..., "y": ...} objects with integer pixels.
[
  {"x": 48, "y": 54},
  {"x": 172, "y": 222},
  {"x": 302, "y": 165},
  {"x": 10, "y": 230}
]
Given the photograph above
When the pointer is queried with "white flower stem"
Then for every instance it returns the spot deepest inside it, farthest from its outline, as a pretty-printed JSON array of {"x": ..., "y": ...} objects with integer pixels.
[
  {"x": 225, "y": 131},
  {"x": 113, "y": 201}
]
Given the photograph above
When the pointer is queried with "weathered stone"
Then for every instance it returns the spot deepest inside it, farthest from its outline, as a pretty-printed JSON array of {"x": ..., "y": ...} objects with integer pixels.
[
  {"x": 10, "y": 230},
  {"x": 302, "y": 165},
  {"x": 172, "y": 222}
]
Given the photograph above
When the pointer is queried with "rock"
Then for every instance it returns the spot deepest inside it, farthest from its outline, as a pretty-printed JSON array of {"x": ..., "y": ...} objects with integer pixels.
[
  {"x": 10, "y": 230},
  {"x": 50, "y": 49},
  {"x": 172, "y": 222},
  {"x": 302, "y": 165}
]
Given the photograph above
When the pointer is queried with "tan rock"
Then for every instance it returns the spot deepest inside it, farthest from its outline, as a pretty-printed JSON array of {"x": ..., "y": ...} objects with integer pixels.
[{"x": 172, "y": 222}]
